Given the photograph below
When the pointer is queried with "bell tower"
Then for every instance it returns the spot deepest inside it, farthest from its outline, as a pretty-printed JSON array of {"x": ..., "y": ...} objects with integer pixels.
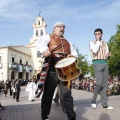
[{"x": 39, "y": 29}]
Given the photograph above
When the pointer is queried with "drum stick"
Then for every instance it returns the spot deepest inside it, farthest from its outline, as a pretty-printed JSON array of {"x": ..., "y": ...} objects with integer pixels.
[{"x": 58, "y": 47}]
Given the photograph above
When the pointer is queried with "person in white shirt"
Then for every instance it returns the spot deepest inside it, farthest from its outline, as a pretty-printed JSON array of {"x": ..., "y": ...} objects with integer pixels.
[
  {"x": 14, "y": 90},
  {"x": 100, "y": 53},
  {"x": 32, "y": 88},
  {"x": 45, "y": 46}
]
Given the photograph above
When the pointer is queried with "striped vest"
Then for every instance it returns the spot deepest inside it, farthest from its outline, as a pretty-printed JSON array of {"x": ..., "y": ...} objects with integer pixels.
[{"x": 101, "y": 54}]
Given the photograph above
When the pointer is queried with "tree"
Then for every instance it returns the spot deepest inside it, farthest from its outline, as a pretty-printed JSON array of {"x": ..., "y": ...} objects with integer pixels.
[
  {"x": 114, "y": 46},
  {"x": 82, "y": 63},
  {"x": 91, "y": 70}
]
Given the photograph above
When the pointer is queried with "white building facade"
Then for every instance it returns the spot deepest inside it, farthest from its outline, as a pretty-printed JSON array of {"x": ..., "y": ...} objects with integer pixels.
[{"x": 23, "y": 62}]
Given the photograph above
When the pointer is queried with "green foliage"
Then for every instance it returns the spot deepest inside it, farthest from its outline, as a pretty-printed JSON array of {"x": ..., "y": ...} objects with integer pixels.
[
  {"x": 91, "y": 70},
  {"x": 82, "y": 63},
  {"x": 114, "y": 46}
]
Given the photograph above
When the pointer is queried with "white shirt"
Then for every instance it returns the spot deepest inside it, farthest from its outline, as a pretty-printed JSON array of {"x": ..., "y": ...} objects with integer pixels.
[
  {"x": 95, "y": 47},
  {"x": 42, "y": 45}
]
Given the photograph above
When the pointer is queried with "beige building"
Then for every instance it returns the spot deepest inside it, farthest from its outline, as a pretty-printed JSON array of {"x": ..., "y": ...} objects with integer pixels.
[{"x": 23, "y": 62}]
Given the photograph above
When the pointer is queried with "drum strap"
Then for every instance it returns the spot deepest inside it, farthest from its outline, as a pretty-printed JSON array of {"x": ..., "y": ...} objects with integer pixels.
[
  {"x": 44, "y": 72},
  {"x": 59, "y": 55}
]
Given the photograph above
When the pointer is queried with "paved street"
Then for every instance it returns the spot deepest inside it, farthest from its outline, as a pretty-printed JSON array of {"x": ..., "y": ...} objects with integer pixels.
[{"x": 26, "y": 110}]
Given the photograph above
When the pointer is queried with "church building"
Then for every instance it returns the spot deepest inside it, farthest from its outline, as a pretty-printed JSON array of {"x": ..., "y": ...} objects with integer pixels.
[{"x": 23, "y": 62}]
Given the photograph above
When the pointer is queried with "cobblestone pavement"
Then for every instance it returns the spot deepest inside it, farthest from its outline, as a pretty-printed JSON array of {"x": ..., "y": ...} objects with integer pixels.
[{"x": 27, "y": 110}]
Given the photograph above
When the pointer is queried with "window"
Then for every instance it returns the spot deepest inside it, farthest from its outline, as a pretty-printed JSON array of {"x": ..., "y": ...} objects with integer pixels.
[
  {"x": 36, "y": 32},
  {"x": 41, "y": 32},
  {"x": 38, "y": 54},
  {"x": 27, "y": 63},
  {"x": 20, "y": 62},
  {"x": 38, "y": 22},
  {"x": 13, "y": 60}
]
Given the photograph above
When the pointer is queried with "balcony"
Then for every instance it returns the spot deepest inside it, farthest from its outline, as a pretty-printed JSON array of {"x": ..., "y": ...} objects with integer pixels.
[
  {"x": 13, "y": 65},
  {"x": 27, "y": 69},
  {"x": 24, "y": 67},
  {"x": 20, "y": 68},
  {"x": 30, "y": 68}
]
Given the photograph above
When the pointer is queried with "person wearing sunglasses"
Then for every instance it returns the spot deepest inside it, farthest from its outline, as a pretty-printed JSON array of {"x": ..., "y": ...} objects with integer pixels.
[{"x": 45, "y": 45}]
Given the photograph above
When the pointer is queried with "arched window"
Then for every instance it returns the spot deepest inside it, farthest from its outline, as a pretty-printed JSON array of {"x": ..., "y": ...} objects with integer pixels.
[
  {"x": 38, "y": 54},
  {"x": 20, "y": 62},
  {"x": 38, "y": 22},
  {"x": 13, "y": 75},
  {"x": 36, "y": 32},
  {"x": 41, "y": 32}
]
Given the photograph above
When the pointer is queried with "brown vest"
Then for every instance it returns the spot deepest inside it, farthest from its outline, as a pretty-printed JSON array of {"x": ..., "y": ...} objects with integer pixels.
[
  {"x": 55, "y": 41},
  {"x": 101, "y": 54}
]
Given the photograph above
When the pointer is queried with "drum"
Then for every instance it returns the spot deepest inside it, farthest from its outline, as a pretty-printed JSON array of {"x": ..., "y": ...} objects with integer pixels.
[{"x": 67, "y": 69}]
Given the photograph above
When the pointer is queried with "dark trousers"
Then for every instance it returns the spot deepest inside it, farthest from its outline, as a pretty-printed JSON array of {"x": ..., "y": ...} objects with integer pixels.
[
  {"x": 17, "y": 96},
  {"x": 10, "y": 91},
  {"x": 14, "y": 94},
  {"x": 65, "y": 93}
]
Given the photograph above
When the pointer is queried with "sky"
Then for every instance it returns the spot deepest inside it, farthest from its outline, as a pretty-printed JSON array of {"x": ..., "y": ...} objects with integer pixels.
[{"x": 81, "y": 18}]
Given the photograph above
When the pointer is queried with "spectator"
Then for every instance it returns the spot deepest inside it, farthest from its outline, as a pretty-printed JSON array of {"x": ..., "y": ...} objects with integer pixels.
[
  {"x": 17, "y": 90},
  {"x": 5, "y": 89}
]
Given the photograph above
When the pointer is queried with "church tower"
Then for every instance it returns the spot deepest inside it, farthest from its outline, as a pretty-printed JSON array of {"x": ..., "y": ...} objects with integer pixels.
[{"x": 39, "y": 30}]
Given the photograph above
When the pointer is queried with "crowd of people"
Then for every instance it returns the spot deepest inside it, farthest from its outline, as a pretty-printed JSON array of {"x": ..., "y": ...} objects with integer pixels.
[
  {"x": 11, "y": 86},
  {"x": 87, "y": 84}
]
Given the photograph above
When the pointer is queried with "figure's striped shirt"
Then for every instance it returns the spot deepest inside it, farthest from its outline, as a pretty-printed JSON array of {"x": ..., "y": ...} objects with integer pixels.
[{"x": 101, "y": 53}]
